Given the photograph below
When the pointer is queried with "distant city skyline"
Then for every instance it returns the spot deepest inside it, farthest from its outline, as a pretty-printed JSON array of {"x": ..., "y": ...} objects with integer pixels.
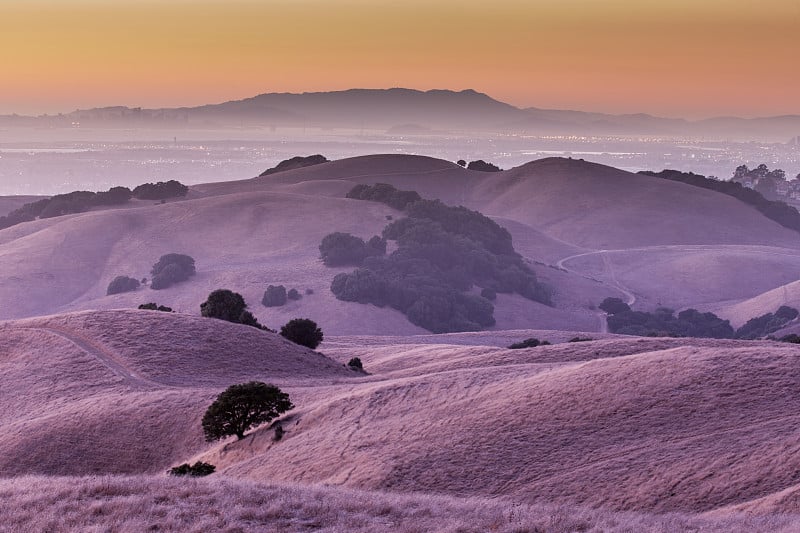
[{"x": 674, "y": 59}]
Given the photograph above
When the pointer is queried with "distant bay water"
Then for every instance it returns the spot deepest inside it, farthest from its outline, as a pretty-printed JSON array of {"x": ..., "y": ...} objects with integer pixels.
[{"x": 47, "y": 162}]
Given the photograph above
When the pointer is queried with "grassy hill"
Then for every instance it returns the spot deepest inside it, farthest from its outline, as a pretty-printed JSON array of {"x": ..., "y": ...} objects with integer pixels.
[{"x": 589, "y": 231}]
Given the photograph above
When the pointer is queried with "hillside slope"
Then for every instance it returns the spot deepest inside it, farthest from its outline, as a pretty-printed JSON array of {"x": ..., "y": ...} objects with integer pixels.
[
  {"x": 659, "y": 425},
  {"x": 79, "y": 388},
  {"x": 589, "y": 231}
]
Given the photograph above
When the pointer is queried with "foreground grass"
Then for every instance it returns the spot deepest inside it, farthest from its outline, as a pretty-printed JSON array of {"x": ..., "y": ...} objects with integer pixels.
[{"x": 128, "y": 504}]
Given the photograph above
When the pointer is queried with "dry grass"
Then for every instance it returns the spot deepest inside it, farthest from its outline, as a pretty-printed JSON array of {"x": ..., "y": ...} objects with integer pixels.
[
  {"x": 623, "y": 423},
  {"x": 134, "y": 504},
  {"x": 249, "y": 234}
]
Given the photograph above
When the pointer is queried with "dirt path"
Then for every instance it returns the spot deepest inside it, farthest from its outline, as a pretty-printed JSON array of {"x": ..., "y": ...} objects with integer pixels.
[{"x": 103, "y": 355}]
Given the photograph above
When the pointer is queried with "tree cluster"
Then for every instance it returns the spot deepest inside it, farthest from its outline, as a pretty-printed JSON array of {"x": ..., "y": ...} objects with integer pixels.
[
  {"x": 385, "y": 194},
  {"x": 690, "y": 322},
  {"x": 162, "y": 190},
  {"x": 442, "y": 252},
  {"x": 295, "y": 162},
  {"x": 230, "y": 306},
  {"x": 122, "y": 284},
  {"x": 82, "y": 201},
  {"x": 343, "y": 249},
  {"x": 171, "y": 269},
  {"x": 482, "y": 166},
  {"x": 763, "y": 325}
]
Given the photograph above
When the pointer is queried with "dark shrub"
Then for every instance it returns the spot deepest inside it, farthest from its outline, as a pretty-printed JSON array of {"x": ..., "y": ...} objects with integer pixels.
[
  {"x": 274, "y": 296},
  {"x": 339, "y": 249},
  {"x": 241, "y": 407},
  {"x": 792, "y": 338},
  {"x": 489, "y": 294},
  {"x": 152, "y": 306},
  {"x": 612, "y": 306},
  {"x": 385, "y": 194},
  {"x": 122, "y": 284},
  {"x": 528, "y": 343},
  {"x": 114, "y": 196},
  {"x": 765, "y": 324},
  {"x": 355, "y": 364},
  {"x": 302, "y": 331},
  {"x": 278, "y": 432},
  {"x": 171, "y": 269},
  {"x": 662, "y": 322},
  {"x": 461, "y": 163},
  {"x": 483, "y": 166},
  {"x": 309, "y": 291},
  {"x": 230, "y": 306},
  {"x": 160, "y": 191},
  {"x": 293, "y": 294},
  {"x": 295, "y": 162},
  {"x": 198, "y": 469},
  {"x": 580, "y": 339}
]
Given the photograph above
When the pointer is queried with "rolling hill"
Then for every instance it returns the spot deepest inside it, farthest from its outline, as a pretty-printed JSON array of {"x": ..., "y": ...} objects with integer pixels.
[
  {"x": 623, "y": 424},
  {"x": 579, "y": 224}
]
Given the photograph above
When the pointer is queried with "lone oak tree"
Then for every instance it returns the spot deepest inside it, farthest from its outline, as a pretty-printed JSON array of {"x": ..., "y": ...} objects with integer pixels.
[{"x": 241, "y": 407}]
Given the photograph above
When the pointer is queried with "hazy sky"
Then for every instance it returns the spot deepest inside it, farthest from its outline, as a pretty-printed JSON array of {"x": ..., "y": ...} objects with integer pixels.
[{"x": 674, "y": 57}]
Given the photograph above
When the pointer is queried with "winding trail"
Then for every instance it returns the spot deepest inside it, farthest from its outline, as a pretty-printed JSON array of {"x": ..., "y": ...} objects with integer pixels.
[{"x": 103, "y": 355}]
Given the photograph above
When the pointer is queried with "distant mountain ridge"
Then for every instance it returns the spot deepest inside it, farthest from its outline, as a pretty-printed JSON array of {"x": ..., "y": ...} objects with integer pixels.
[{"x": 433, "y": 110}]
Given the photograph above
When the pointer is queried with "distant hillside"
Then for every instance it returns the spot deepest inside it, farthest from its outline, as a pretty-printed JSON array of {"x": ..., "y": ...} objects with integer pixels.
[{"x": 389, "y": 109}]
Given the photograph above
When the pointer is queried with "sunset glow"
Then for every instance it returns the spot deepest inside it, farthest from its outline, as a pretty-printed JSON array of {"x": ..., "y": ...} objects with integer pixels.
[{"x": 677, "y": 58}]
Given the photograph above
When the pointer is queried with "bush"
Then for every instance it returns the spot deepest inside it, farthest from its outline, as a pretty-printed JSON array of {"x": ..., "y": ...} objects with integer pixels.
[
  {"x": 241, "y": 407},
  {"x": 302, "y": 331},
  {"x": 230, "y": 306},
  {"x": 355, "y": 364},
  {"x": 765, "y": 324},
  {"x": 293, "y": 294},
  {"x": 489, "y": 294},
  {"x": 483, "y": 166},
  {"x": 612, "y": 306},
  {"x": 385, "y": 194},
  {"x": 309, "y": 291},
  {"x": 580, "y": 339},
  {"x": 196, "y": 470},
  {"x": 791, "y": 338},
  {"x": 171, "y": 269},
  {"x": 340, "y": 249},
  {"x": 122, "y": 284},
  {"x": 528, "y": 343},
  {"x": 688, "y": 323},
  {"x": 152, "y": 306},
  {"x": 160, "y": 191},
  {"x": 461, "y": 163},
  {"x": 295, "y": 162},
  {"x": 274, "y": 296}
]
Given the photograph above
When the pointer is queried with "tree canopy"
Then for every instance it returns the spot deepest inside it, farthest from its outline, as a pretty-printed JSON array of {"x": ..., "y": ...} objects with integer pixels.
[{"x": 241, "y": 407}]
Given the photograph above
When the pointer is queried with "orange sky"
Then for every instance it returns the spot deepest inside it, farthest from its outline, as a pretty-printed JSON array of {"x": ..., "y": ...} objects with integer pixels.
[{"x": 676, "y": 58}]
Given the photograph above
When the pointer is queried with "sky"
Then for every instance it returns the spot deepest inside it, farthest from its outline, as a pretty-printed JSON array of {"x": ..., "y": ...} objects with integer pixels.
[{"x": 672, "y": 58}]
